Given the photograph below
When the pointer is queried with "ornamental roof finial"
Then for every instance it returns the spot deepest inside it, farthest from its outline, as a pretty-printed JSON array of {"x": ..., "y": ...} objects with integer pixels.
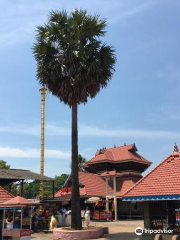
[{"x": 176, "y": 149}]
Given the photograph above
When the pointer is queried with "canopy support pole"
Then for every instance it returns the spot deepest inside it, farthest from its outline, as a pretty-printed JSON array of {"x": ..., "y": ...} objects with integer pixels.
[
  {"x": 31, "y": 217},
  {"x": 107, "y": 202},
  {"x": 53, "y": 189},
  {"x": 21, "y": 216},
  {"x": 115, "y": 199},
  {"x": 4, "y": 216},
  {"x": 13, "y": 215},
  {"x": 22, "y": 188}
]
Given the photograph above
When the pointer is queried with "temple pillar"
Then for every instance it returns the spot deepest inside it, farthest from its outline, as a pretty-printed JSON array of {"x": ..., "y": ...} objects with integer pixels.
[
  {"x": 107, "y": 201},
  {"x": 115, "y": 199},
  {"x": 147, "y": 217}
]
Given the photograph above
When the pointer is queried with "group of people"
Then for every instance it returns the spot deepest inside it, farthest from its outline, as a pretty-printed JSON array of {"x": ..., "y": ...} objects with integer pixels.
[
  {"x": 57, "y": 219},
  {"x": 10, "y": 223}
]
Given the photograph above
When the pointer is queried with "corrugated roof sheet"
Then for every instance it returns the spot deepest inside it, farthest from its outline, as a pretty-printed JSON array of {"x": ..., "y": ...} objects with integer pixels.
[{"x": 21, "y": 174}]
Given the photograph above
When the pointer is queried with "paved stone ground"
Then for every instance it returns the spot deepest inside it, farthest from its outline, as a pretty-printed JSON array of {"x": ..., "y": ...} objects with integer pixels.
[{"x": 121, "y": 230}]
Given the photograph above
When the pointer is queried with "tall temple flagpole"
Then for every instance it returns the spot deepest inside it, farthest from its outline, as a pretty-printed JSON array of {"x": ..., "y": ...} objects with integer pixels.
[{"x": 43, "y": 96}]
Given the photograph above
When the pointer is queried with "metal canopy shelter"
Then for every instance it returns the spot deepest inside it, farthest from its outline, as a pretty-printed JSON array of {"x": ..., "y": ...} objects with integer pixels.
[
  {"x": 15, "y": 203},
  {"x": 21, "y": 174},
  {"x": 8, "y": 176}
]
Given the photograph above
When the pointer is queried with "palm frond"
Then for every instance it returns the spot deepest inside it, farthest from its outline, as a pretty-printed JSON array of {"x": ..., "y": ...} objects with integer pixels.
[{"x": 73, "y": 62}]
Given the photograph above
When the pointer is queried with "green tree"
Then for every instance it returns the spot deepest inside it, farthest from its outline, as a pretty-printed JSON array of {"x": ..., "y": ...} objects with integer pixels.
[
  {"x": 81, "y": 161},
  {"x": 31, "y": 190},
  {"x": 59, "y": 181},
  {"x": 74, "y": 64},
  {"x": 9, "y": 187},
  {"x": 4, "y": 165}
]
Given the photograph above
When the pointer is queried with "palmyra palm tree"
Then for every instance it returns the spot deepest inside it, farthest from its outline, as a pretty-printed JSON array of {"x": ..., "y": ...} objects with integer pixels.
[{"x": 73, "y": 64}]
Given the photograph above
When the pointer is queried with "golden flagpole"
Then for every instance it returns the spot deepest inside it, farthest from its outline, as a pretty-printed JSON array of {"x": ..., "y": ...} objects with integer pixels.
[{"x": 43, "y": 96}]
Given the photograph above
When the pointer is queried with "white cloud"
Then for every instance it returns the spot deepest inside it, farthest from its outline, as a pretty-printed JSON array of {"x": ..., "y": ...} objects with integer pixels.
[
  {"x": 32, "y": 153},
  {"x": 21, "y": 129},
  {"x": 138, "y": 133},
  {"x": 52, "y": 153},
  {"x": 53, "y": 130}
]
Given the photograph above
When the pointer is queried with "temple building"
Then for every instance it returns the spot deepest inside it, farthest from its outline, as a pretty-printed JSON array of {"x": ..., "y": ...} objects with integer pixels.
[
  {"x": 159, "y": 193},
  {"x": 109, "y": 174}
]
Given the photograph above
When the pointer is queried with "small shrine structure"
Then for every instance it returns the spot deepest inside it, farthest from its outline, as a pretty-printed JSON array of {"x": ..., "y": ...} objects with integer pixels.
[{"x": 109, "y": 174}]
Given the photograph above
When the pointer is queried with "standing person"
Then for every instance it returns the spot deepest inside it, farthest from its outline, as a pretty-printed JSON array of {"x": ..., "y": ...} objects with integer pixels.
[
  {"x": 87, "y": 214},
  {"x": 46, "y": 213},
  {"x": 64, "y": 215},
  {"x": 35, "y": 218},
  {"x": 36, "y": 221},
  {"x": 54, "y": 221},
  {"x": 9, "y": 222},
  {"x": 59, "y": 215}
]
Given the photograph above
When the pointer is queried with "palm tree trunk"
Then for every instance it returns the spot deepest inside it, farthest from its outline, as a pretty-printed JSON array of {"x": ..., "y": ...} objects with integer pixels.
[{"x": 75, "y": 197}]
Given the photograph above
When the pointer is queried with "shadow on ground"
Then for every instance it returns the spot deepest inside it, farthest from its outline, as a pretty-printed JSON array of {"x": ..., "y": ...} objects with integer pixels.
[
  {"x": 121, "y": 236},
  {"x": 121, "y": 230},
  {"x": 112, "y": 236}
]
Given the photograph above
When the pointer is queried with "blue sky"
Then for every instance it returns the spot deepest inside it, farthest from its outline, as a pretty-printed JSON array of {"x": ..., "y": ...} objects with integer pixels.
[{"x": 141, "y": 104}]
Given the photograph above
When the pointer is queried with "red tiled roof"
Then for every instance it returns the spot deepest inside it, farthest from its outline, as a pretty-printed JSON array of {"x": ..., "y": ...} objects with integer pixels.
[
  {"x": 17, "y": 200},
  {"x": 164, "y": 179},
  {"x": 5, "y": 195},
  {"x": 118, "y": 154},
  {"x": 94, "y": 185}
]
